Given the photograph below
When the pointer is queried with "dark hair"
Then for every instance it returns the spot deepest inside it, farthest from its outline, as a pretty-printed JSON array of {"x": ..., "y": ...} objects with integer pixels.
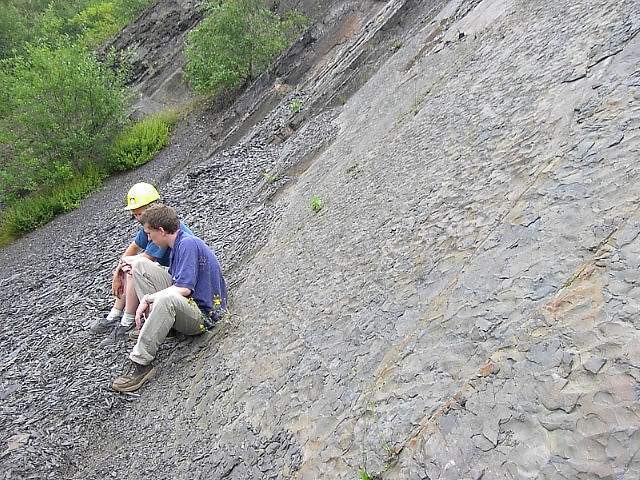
[{"x": 160, "y": 215}]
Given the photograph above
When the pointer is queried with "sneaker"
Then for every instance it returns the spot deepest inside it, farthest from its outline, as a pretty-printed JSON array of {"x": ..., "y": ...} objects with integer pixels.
[
  {"x": 117, "y": 333},
  {"x": 136, "y": 376},
  {"x": 104, "y": 324}
]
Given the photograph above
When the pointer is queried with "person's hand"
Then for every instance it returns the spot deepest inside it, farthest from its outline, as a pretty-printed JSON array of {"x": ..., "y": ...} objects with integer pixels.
[{"x": 140, "y": 312}]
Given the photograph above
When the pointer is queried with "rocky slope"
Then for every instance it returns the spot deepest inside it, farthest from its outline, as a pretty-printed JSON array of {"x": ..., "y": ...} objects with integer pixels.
[{"x": 464, "y": 305}]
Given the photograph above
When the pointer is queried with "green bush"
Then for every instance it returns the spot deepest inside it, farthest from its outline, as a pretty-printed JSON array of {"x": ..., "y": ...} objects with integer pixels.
[
  {"x": 296, "y": 105},
  {"x": 60, "y": 108},
  {"x": 87, "y": 22},
  {"x": 32, "y": 212},
  {"x": 18, "y": 20},
  {"x": 12, "y": 30},
  {"x": 96, "y": 23},
  {"x": 316, "y": 203},
  {"x": 128, "y": 10},
  {"x": 142, "y": 141},
  {"x": 25, "y": 175},
  {"x": 100, "y": 20},
  {"x": 236, "y": 42}
]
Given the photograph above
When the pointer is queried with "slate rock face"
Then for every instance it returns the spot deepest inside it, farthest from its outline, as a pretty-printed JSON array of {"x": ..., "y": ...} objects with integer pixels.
[
  {"x": 154, "y": 47},
  {"x": 464, "y": 306}
]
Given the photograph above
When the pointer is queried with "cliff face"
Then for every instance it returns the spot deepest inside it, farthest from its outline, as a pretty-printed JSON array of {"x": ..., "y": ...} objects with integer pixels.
[
  {"x": 153, "y": 45},
  {"x": 463, "y": 306}
]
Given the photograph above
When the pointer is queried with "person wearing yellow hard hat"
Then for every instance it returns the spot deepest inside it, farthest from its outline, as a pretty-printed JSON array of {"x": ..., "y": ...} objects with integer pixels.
[{"x": 121, "y": 317}]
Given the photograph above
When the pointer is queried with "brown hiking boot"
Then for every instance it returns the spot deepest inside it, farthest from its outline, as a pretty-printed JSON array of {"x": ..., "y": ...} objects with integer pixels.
[{"x": 134, "y": 378}]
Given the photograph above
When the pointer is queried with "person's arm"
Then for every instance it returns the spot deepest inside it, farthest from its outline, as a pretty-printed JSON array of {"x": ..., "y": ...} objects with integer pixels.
[
  {"x": 148, "y": 299},
  {"x": 132, "y": 249},
  {"x": 129, "y": 259}
]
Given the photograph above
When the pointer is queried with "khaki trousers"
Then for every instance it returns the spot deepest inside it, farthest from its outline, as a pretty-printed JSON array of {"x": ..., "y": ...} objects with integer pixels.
[{"x": 167, "y": 310}]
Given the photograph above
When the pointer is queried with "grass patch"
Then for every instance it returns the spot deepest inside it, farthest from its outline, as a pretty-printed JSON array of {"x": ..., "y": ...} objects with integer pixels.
[
  {"x": 317, "y": 204},
  {"x": 134, "y": 147},
  {"x": 270, "y": 177},
  {"x": 296, "y": 105},
  {"x": 142, "y": 141},
  {"x": 364, "y": 475},
  {"x": 34, "y": 211}
]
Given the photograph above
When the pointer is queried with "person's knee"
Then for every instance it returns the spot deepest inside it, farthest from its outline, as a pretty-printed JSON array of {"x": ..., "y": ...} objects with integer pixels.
[
  {"x": 140, "y": 266},
  {"x": 141, "y": 263},
  {"x": 169, "y": 298}
]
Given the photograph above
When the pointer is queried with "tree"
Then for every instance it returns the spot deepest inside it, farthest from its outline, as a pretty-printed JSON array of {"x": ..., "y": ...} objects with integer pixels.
[
  {"x": 59, "y": 110},
  {"x": 236, "y": 42}
]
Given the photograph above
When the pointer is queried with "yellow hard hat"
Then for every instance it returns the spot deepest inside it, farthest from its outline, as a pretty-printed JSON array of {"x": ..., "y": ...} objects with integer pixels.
[{"x": 141, "y": 194}]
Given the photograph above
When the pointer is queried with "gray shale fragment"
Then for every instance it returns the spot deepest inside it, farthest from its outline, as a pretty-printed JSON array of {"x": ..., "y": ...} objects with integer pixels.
[{"x": 594, "y": 364}]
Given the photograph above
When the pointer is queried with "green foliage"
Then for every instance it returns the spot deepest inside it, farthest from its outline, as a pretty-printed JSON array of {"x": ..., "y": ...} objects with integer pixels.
[
  {"x": 142, "y": 141},
  {"x": 100, "y": 20},
  {"x": 128, "y": 10},
  {"x": 39, "y": 209},
  {"x": 296, "y": 105},
  {"x": 270, "y": 177},
  {"x": 135, "y": 146},
  {"x": 60, "y": 108},
  {"x": 24, "y": 175},
  {"x": 54, "y": 22},
  {"x": 87, "y": 22},
  {"x": 61, "y": 111},
  {"x": 397, "y": 44},
  {"x": 316, "y": 204},
  {"x": 18, "y": 20},
  {"x": 12, "y": 30},
  {"x": 236, "y": 42},
  {"x": 95, "y": 24},
  {"x": 363, "y": 475}
]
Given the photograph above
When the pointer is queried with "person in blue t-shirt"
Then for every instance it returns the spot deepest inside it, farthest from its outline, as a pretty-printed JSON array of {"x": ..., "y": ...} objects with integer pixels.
[
  {"x": 189, "y": 297},
  {"x": 121, "y": 317}
]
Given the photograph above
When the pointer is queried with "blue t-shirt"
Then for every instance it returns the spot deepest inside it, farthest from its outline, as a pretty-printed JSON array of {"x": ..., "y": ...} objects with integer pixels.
[
  {"x": 196, "y": 267},
  {"x": 162, "y": 255}
]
